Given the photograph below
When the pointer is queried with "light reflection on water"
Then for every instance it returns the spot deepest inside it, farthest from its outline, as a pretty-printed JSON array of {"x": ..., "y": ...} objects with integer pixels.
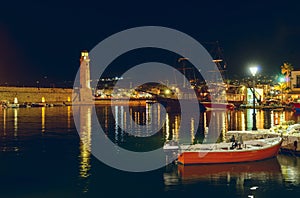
[
  {"x": 43, "y": 119},
  {"x": 241, "y": 175},
  {"x": 85, "y": 144},
  {"x": 290, "y": 167},
  {"x": 85, "y": 133},
  {"x": 33, "y": 128},
  {"x": 15, "y": 122}
]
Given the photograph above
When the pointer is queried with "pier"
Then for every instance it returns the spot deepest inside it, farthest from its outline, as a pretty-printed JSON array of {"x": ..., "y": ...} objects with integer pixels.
[
  {"x": 35, "y": 95},
  {"x": 287, "y": 146}
]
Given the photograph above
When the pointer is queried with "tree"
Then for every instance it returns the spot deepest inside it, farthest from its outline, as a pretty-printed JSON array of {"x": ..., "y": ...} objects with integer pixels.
[{"x": 286, "y": 70}]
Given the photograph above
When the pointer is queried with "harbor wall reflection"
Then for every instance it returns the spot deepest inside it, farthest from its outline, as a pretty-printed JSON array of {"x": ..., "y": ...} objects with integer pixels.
[{"x": 17, "y": 120}]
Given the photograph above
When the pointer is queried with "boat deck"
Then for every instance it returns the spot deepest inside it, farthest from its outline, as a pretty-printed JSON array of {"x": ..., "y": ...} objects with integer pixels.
[
  {"x": 225, "y": 147},
  {"x": 249, "y": 145}
]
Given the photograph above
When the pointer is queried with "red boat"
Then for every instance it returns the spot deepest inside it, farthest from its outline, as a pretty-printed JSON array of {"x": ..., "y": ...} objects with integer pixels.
[
  {"x": 296, "y": 106},
  {"x": 251, "y": 150}
]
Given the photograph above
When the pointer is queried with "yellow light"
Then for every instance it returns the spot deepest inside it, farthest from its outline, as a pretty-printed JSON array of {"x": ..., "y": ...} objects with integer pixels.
[
  {"x": 167, "y": 91},
  {"x": 69, "y": 99},
  {"x": 16, "y": 100},
  {"x": 43, "y": 99},
  {"x": 84, "y": 54},
  {"x": 43, "y": 119}
]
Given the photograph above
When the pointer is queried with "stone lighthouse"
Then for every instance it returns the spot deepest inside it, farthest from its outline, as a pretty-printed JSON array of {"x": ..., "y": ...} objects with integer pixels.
[{"x": 85, "y": 91}]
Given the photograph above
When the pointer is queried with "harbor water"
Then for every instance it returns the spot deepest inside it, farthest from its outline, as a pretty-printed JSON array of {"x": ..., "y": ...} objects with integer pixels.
[{"x": 42, "y": 155}]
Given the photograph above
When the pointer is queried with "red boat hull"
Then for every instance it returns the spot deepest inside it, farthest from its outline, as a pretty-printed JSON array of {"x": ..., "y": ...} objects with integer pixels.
[
  {"x": 228, "y": 157},
  {"x": 296, "y": 106}
]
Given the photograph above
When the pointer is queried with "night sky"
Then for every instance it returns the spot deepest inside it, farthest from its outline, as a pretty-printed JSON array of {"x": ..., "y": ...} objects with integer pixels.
[{"x": 42, "y": 40}]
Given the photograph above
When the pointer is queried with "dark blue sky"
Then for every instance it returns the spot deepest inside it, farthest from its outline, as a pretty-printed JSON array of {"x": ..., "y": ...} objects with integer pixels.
[{"x": 39, "y": 39}]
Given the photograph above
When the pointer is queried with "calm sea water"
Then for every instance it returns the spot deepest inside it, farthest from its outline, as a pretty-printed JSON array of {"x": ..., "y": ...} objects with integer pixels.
[{"x": 41, "y": 155}]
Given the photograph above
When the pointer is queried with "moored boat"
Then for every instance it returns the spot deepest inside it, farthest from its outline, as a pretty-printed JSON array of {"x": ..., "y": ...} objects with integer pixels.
[
  {"x": 296, "y": 106},
  {"x": 251, "y": 150},
  {"x": 40, "y": 104},
  {"x": 216, "y": 106},
  {"x": 7, "y": 104}
]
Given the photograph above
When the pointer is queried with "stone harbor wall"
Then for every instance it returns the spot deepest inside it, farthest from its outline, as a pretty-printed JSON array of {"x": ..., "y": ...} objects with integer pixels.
[
  {"x": 35, "y": 95},
  {"x": 250, "y": 135}
]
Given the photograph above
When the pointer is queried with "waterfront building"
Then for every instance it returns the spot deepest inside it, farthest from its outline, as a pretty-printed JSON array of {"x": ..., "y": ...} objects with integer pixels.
[{"x": 294, "y": 93}]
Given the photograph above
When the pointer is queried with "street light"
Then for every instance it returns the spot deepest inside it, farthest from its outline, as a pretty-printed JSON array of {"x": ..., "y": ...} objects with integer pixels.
[{"x": 253, "y": 71}]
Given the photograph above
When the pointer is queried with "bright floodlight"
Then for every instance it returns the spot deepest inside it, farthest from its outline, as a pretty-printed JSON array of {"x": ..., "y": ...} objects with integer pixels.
[
  {"x": 253, "y": 70},
  {"x": 281, "y": 79}
]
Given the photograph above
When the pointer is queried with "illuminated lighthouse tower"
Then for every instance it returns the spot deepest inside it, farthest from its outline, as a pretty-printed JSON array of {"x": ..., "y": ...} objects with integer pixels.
[{"x": 85, "y": 92}]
